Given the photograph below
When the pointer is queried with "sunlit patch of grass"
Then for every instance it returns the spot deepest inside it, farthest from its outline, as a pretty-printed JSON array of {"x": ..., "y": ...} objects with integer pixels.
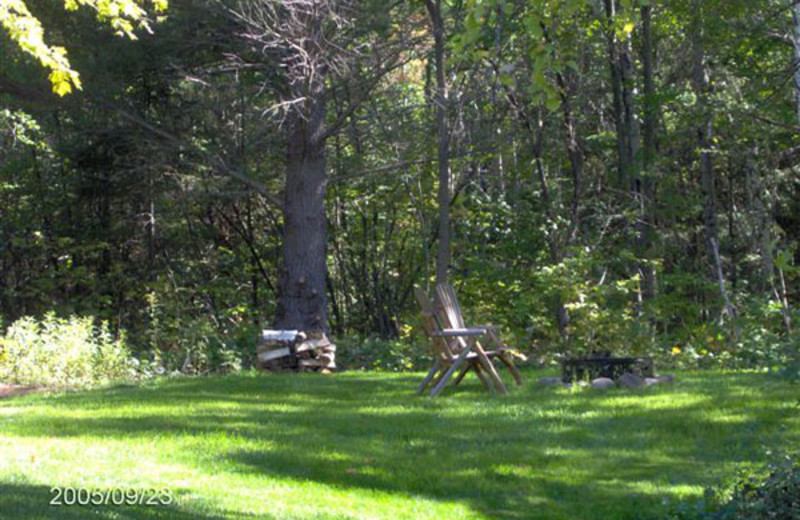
[{"x": 364, "y": 446}]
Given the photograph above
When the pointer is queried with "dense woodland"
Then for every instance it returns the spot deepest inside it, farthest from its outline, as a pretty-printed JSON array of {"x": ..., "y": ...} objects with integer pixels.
[{"x": 615, "y": 175}]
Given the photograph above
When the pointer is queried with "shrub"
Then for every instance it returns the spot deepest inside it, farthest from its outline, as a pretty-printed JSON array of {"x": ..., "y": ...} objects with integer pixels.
[
  {"x": 63, "y": 352},
  {"x": 196, "y": 346},
  {"x": 381, "y": 354},
  {"x": 775, "y": 497},
  {"x": 180, "y": 338},
  {"x": 770, "y": 494}
]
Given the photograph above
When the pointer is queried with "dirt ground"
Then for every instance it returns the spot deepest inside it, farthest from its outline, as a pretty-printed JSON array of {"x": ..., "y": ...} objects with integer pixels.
[{"x": 7, "y": 390}]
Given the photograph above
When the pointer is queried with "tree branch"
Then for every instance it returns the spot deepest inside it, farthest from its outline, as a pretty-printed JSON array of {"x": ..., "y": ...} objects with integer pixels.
[{"x": 216, "y": 162}]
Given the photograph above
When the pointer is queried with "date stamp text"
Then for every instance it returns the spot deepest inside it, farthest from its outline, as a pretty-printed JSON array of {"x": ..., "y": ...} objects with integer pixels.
[{"x": 70, "y": 496}]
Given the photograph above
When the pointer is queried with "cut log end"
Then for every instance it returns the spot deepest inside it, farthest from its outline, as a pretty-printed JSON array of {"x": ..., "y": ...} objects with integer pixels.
[{"x": 309, "y": 351}]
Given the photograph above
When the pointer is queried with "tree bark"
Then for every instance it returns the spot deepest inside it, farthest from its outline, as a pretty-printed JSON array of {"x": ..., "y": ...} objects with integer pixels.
[
  {"x": 650, "y": 108},
  {"x": 575, "y": 156},
  {"x": 445, "y": 232},
  {"x": 762, "y": 219},
  {"x": 632, "y": 132},
  {"x": 302, "y": 300},
  {"x": 647, "y": 190},
  {"x": 705, "y": 128},
  {"x": 796, "y": 41},
  {"x": 617, "y": 94},
  {"x": 620, "y": 57}
]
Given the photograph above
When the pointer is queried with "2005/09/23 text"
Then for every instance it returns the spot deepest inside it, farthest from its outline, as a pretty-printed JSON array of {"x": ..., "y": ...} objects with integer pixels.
[{"x": 70, "y": 496}]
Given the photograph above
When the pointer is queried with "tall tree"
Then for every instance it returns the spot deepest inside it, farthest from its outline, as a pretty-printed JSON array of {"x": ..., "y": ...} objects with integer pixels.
[
  {"x": 312, "y": 42},
  {"x": 646, "y": 185},
  {"x": 796, "y": 65},
  {"x": 434, "y": 8},
  {"x": 705, "y": 132}
]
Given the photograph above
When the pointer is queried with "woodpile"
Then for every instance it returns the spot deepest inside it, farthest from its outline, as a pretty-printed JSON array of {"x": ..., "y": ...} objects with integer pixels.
[{"x": 291, "y": 350}]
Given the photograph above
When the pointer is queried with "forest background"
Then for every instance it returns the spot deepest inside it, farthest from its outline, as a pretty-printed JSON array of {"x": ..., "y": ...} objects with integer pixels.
[{"x": 592, "y": 176}]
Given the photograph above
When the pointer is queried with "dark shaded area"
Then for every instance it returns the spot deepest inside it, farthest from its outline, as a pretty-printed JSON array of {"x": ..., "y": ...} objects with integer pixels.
[{"x": 604, "y": 365}]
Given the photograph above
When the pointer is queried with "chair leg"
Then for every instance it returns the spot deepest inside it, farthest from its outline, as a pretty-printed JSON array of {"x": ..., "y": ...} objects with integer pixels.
[
  {"x": 479, "y": 372},
  {"x": 440, "y": 375},
  {"x": 450, "y": 371},
  {"x": 504, "y": 358},
  {"x": 489, "y": 367},
  {"x": 425, "y": 382},
  {"x": 511, "y": 368},
  {"x": 462, "y": 373}
]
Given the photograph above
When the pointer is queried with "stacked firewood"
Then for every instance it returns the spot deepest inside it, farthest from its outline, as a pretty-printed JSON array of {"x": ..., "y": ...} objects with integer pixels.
[{"x": 291, "y": 350}]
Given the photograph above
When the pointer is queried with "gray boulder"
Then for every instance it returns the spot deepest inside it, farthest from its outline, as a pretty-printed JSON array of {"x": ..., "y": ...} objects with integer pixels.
[
  {"x": 650, "y": 381},
  {"x": 603, "y": 383},
  {"x": 629, "y": 380}
]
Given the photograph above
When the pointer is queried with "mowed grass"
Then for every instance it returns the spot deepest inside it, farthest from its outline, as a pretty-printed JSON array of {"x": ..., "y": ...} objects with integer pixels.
[{"x": 364, "y": 446}]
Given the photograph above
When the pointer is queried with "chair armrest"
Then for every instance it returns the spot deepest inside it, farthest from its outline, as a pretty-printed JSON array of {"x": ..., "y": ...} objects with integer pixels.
[
  {"x": 485, "y": 327},
  {"x": 460, "y": 332}
]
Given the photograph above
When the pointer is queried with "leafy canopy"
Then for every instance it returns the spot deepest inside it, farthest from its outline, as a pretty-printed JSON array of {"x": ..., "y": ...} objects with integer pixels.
[{"x": 26, "y": 30}]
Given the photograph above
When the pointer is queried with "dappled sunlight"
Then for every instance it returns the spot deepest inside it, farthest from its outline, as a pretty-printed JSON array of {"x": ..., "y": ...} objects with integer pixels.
[
  {"x": 650, "y": 488},
  {"x": 112, "y": 463},
  {"x": 263, "y": 445},
  {"x": 668, "y": 401},
  {"x": 726, "y": 417}
]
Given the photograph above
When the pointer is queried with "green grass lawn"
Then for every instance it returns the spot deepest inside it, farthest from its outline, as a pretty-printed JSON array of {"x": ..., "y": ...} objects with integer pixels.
[{"x": 363, "y": 446}]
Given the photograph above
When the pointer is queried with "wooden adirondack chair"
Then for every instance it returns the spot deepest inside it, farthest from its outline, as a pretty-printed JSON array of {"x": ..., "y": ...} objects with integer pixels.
[
  {"x": 452, "y": 318},
  {"x": 454, "y": 350}
]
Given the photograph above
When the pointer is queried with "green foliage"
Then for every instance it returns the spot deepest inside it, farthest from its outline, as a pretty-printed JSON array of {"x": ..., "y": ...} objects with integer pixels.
[
  {"x": 766, "y": 498},
  {"x": 764, "y": 341},
  {"x": 768, "y": 493},
  {"x": 193, "y": 344},
  {"x": 26, "y": 31},
  {"x": 54, "y": 351},
  {"x": 101, "y": 216},
  {"x": 382, "y": 355}
]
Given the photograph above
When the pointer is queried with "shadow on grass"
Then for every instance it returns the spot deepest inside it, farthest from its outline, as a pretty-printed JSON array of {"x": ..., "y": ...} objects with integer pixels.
[{"x": 539, "y": 453}]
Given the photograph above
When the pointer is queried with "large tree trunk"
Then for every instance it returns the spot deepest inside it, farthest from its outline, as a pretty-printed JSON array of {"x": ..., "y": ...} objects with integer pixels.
[
  {"x": 445, "y": 237},
  {"x": 302, "y": 301}
]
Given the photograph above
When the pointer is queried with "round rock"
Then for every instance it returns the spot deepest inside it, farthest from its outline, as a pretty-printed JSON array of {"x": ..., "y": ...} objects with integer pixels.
[
  {"x": 603, "y": 383},
  {"x": 629, "y": 380}
]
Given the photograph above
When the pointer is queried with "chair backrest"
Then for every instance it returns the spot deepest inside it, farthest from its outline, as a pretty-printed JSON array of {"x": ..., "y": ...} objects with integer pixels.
[
  {"x": 431, "y": 325},
  {"x": 449, "y": 308},
  {"x": 441, "y": 346},
  {"x": 425, "y": 304}
]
